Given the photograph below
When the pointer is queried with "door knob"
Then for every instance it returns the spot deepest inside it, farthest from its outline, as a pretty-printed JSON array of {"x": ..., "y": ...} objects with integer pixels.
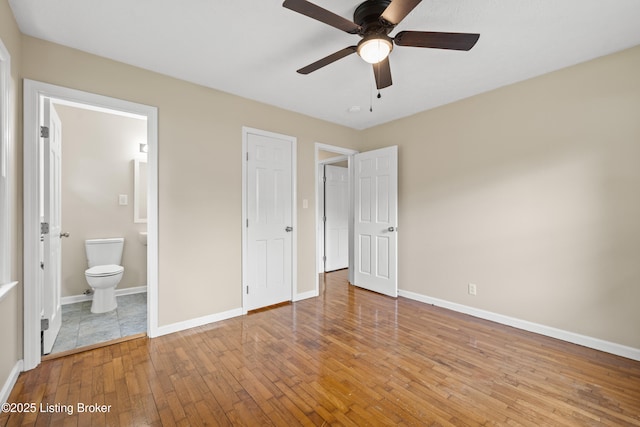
[
  {"x": 391, "y": 229},
  {"x": 288, "y": 229},
  {"x": 64, "y": 235}
]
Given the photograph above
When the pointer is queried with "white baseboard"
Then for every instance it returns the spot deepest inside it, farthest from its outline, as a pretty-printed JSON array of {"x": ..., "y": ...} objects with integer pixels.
[
  {"x": 192, "y": 323},
  {"x": 305, "y": 295},
  {"x": 11, "y": 381},
  {"x": 119, "y": 292},
  {"x": 583, "y": 340},
  {"x": 131, "y": 291}
]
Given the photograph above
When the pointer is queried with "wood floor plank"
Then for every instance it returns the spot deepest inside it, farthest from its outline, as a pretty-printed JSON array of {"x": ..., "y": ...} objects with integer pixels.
[{"x": 348, "y": 357}]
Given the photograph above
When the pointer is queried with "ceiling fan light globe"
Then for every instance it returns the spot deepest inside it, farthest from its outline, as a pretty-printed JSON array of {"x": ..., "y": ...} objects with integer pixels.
[{"x": 374, "y": 50}]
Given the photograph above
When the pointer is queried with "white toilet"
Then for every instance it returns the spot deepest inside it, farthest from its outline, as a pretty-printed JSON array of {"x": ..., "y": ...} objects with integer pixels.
[{"x": 105, "y": 272}]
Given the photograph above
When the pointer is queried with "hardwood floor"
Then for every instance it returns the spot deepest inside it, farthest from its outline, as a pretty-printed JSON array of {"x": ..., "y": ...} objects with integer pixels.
[{"x": 348, "y": 357}]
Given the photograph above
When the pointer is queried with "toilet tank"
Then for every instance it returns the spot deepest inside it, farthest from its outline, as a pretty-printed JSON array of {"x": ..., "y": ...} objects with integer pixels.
[{"x": 104, "y": 251}]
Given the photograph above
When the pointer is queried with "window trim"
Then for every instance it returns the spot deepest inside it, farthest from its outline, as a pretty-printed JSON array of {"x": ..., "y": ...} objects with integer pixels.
[{"x": 6, "y": 206}]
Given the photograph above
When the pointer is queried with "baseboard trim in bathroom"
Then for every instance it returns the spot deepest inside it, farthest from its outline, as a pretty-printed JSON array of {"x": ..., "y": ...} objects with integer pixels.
[
  {"x": 93, "y": 346},
  {"x": 119, "y": 292}
]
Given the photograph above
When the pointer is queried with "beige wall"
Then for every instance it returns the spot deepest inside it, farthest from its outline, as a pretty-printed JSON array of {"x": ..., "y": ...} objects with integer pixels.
[
  {"x": 11, "y": 304},
  {"x": 532, "y": 193},
  {"x": 324, "y": 155},
  {"x": 200, "y": 180},
  {"x": 97, "y": 166}
]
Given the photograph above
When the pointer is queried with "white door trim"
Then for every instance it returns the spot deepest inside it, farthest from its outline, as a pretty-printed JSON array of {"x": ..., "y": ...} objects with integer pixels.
[
  {"x": 319, "y": 239},
  {"x": 33, "y": 92},
  {"x": 294, "y": 214}
]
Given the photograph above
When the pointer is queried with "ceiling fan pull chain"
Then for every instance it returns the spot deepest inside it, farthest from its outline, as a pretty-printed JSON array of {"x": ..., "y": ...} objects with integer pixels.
[{"x": 371, "y": 100}]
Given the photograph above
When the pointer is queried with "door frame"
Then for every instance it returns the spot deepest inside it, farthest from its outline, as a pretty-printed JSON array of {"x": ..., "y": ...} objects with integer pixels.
[
  {"x": 341, "y": 151},
  {"x": 32, "y": 93},
  {"x": 294, "y": 208}
]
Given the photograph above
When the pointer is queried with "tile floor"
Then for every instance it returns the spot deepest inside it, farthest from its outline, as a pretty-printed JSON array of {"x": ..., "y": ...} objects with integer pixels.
[{"x": 80, "y": 327}]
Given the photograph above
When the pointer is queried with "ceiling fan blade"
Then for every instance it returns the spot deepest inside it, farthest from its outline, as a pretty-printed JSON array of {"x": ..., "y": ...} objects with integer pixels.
[
  {"x": 328, "y": 60},
  {"x": 454, "y": 41},
  {"x": 382, "y": 72},
  {"x": 398, "y": 10},
  {"x": 323, "y": 15}
]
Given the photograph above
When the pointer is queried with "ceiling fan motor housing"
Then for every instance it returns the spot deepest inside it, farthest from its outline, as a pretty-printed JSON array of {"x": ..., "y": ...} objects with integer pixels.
[{"x": 367, "y": 16}]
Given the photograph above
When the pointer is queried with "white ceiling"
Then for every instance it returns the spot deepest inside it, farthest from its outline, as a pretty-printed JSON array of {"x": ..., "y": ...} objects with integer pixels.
[{"x": 252, "y": 48}]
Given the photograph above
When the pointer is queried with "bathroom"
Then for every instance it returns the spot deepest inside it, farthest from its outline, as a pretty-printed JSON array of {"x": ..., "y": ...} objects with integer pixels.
[{"x": 103, "y": 195}]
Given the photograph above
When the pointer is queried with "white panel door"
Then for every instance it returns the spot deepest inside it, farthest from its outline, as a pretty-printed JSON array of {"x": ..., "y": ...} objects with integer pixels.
[
  {"x": 269, "y": 225},
  {"x": 375, "y": 222},
  {"x": 52, "y": 254},
  {"x": 336, "y": 212}
]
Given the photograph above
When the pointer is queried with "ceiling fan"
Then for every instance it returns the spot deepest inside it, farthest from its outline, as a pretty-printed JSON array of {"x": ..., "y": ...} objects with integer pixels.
[{"x": 373, "y": 20}]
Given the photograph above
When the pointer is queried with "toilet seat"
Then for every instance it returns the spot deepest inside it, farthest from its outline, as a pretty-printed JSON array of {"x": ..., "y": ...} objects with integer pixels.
[{"x": 104, "y": 270}]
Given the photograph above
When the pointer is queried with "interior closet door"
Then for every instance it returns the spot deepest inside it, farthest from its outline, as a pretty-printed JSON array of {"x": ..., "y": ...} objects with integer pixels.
[
  {"x": 269, "y": 225},
  {"x": 336, "y": 215}
]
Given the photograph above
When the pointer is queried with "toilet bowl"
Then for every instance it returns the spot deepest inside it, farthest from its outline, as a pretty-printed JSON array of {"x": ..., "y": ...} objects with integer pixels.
[
  {"x": 104, "y": 257},
  {"x": 103, "y": 279}
]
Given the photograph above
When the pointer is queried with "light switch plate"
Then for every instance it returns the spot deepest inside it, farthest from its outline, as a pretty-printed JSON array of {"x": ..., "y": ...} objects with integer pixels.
[{"x": 123, "y": 200}]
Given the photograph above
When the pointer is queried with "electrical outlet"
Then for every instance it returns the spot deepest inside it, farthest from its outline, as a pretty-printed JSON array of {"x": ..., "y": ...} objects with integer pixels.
[{"x": 472, "y": 289}]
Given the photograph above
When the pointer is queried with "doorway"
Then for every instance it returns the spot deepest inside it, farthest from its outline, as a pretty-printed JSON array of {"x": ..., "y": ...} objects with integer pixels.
[
  {"x": 103, "y": 153},
  {"x": 34, "y": 95},
  {"x": 373, "y": 213},
  {"x": 330, "y": 155}
]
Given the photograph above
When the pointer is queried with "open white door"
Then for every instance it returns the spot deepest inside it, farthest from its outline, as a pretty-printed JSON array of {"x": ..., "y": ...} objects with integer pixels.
[
  {"x": 269, "y": 226},
  {"x": 51, "y": 223},
  {"x": 336, "y": 215},
  {"x": 375, "y": 222}
]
